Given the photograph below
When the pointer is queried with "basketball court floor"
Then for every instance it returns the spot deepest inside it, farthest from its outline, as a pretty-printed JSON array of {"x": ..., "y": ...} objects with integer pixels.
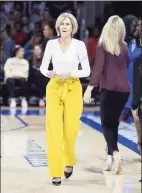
[{"x": 24, "y": 163}]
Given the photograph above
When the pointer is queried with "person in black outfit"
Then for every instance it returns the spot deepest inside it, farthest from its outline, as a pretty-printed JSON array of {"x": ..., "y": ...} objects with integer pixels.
[{"x": 137, "y": 92}]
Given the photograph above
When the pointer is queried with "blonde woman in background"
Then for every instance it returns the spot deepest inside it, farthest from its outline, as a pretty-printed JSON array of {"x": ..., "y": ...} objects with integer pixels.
[
  {"x": 63, "y": 96},
  {"x": 110, "y": 74}
]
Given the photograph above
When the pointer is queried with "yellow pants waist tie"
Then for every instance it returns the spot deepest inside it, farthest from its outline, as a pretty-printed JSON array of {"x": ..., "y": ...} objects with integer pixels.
[{"x": 66, "y": 86}]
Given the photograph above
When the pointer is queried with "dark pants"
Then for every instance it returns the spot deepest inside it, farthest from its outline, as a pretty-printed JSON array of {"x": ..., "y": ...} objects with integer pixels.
[
  {"x": 111, "y": 106},
  {"x": 140, "y": 114},
  {"x": 13, "y": 82},
  {"x": 39, "y": 80}
]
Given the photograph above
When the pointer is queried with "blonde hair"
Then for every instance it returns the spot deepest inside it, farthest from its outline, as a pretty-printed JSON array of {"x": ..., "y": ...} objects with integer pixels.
[
  {"x": 62, "y": 17},
  {"x": 113, "y": 35}
]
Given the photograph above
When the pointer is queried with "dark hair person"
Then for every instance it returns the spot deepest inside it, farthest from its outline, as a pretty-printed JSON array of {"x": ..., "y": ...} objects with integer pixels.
[{"x": 134, "y": 50}]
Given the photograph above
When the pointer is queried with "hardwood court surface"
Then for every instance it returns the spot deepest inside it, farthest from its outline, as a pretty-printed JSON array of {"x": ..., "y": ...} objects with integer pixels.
[{"x": 24, "y": 164}]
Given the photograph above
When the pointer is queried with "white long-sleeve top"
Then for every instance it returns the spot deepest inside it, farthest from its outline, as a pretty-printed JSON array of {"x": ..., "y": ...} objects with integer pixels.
[
  {"x": 68, "y": 61},
  {"x": 16, "y": 67}
]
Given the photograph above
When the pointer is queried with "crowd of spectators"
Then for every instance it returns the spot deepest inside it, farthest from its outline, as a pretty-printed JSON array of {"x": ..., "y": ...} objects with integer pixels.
[{"x": 26, "y": 28}]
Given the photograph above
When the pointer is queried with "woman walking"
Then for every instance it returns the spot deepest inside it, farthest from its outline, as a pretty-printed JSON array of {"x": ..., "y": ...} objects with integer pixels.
[
  {"x": 64, "y": 96},
  {"x": 137, "y": 94},
  {"x": 134, "y": 50},
  {"x": 110, "y": 73}
]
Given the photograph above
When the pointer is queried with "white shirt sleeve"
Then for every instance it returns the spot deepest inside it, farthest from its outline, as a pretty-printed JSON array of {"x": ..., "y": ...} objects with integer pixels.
[
  {"x": 46, "y": 59},
  {"x": 8, "y": 68},
  {"x": 84, "y": 61}
]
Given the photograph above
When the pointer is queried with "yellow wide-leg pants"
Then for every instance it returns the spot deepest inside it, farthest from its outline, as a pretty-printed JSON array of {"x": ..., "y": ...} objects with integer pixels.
[{"x": 64, "y": 107}]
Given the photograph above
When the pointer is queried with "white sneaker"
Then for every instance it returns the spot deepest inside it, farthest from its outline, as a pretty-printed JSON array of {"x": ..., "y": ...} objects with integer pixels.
[
  {"x": 24, "y": 103},
  {"x": 118, "y": 166},
  {"x": 41, "y": 103},
  {"x": 108, "y": 163},
  {"x": 12, "y": 103},
  {"x": 13, "y": 111}
]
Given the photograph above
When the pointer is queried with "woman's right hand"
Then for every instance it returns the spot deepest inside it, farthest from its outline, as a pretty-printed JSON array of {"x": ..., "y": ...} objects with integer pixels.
[
  {"x": 51, "y": 74},
  {"x": 87, "y": 97}
]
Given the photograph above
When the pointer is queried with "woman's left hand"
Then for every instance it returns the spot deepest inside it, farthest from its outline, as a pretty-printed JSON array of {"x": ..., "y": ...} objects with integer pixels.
[{"x": 135, "y": 114}]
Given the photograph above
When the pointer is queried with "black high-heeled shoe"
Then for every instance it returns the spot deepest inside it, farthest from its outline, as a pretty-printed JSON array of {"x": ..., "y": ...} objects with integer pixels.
[
  {"x": 68, "y": 174},
  {"x": 56, "y": 183}
]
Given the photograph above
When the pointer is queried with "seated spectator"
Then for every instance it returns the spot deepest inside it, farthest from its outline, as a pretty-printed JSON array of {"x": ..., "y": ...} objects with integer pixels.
[
  {"x": 46, "y": 17},
  {"x": 92, "y": 44},
  {"x": 20, "y": 36},
  {"x": 49, "y": 32},
  {"x": 35, "y": 76},
  {"x": 16, "y": 70},
  {"x": 28, "y": 27},
  {"x": 12, "y": 18},
  {"x": 38, "y": 27},
  {"x": 18, "y": 6},
  {"x": 8, "y": 43},
  {"x": 8, "y": 6},
  {"x": 35, "y": 17},
  {"x": 41, "y": 7},
  {"x": 35, "y": 39}
]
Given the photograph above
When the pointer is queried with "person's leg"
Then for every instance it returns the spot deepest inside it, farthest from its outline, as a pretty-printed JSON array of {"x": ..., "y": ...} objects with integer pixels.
[
  {"x": 140, "y": 117},
  {"x": 10, "y": 82},
  {"x": 72, "y": 113},
  {"x": 106, "y": 108},
  {"x": 54, "y": 129},
  {"x": 111, "y": 109},
  {"x": 139, "y": 128},
  {"x": 40, "y": 81},
  {"x": 121, "y": 99},
  {"x": 23, "y": 88},
  {"x": 139, "y": 134}
]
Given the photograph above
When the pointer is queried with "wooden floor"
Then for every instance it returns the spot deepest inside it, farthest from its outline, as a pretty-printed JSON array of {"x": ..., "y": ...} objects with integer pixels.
[{"x": 24, "y": 164}]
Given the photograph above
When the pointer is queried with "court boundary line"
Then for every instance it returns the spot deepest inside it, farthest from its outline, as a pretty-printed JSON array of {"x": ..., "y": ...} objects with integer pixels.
[
  {"x": 19, "y": 128},
  {"x": 96, "y": 126},
  {"x": 122, "y": 140}
]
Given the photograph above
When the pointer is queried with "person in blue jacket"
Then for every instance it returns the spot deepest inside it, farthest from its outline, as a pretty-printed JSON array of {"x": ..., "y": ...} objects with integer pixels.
[{"x": 134, "y": 50}]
